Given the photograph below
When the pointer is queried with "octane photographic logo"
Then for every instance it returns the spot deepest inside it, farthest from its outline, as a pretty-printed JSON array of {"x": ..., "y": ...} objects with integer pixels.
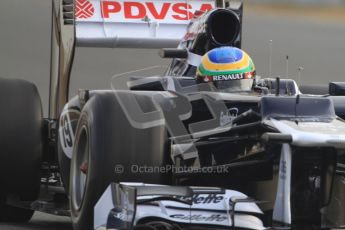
[
  {"x": 171, "y": 109},
  {"x": 84, "y": 9}
]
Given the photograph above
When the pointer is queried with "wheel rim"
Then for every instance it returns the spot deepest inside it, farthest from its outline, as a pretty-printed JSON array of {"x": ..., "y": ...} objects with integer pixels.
[{"x": 81, "y": 168}]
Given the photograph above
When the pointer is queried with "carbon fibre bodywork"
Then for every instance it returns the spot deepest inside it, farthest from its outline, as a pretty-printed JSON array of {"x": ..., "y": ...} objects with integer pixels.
[{"x": 283, "y": 148}]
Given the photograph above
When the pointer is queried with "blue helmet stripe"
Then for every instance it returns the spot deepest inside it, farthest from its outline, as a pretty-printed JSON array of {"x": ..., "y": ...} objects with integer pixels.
[{"x": 225, "y": 55}]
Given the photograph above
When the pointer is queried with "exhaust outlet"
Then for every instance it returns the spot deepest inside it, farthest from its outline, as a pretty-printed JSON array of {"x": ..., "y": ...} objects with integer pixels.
[{"x": 223, "y": 27}]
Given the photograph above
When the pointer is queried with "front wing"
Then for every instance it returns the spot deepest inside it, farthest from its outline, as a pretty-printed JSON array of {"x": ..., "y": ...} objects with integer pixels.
[{"x": 124, "y": 206}]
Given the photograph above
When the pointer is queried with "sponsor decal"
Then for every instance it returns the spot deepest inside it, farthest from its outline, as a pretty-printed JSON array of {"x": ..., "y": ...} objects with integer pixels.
[
  {"x": 283, "y": 170},
  {"x": 200, "y": 218},
  {"x": 157, "y": 10},
  {"x": 208, "y": 78},
  {"x": 84, "y": 9},
  {"x": 227, "y": 77},
  {"x": 249, "y": 75},
  {"x": 204, "y": 199},
  {"x": 199, "y": 13},
  {"x": 66, "y": 130},
  {"x": 209, "y": 199}
]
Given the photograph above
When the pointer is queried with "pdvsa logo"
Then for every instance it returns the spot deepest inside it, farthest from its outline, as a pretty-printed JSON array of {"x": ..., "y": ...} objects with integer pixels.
[
  {"x": 124, "y": 10},
  {"x": 163, "y": 10},
  {"x": 84, "y": 9}
]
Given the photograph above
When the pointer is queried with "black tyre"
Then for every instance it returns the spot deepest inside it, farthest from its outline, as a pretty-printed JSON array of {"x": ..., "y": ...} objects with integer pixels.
[
  {"x": 67, "y": 128},
  {"x": 20, "y": 146},
  {"x": 104, "y": 142}
]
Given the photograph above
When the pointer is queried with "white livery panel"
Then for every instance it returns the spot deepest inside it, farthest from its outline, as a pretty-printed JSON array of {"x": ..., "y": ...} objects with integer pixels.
[{"x": 139, "y": 24}]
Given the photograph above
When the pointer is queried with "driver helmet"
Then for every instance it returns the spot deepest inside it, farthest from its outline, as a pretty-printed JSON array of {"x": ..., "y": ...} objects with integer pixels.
[{"x": 230, "y": 69}]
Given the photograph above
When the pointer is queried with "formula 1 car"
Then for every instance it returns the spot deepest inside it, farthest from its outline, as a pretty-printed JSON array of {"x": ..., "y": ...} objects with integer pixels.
[{"x": 169, "y": 152}]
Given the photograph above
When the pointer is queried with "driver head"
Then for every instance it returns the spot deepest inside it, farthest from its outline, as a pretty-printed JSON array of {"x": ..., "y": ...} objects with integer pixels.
[{"x": 228, "y": 68}]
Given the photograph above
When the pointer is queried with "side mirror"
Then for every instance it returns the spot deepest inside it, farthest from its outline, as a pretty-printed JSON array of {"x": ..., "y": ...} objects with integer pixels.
[
  {"x": 337, "y": 88},
  {"x": 173, "y": 53}
]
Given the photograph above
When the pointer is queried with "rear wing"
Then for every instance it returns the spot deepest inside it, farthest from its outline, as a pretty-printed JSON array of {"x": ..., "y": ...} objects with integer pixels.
[
  {"x": 139, "y": 24},
  {"x": 114, "y": 23}
]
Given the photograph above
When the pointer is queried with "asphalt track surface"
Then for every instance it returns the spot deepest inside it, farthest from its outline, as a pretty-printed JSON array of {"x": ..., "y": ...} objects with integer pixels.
[{"x": 316, "y": 43}]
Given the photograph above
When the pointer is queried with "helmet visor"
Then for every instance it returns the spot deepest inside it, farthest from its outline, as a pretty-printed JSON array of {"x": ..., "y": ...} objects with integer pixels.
[{"x": 234, "y": 86}]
